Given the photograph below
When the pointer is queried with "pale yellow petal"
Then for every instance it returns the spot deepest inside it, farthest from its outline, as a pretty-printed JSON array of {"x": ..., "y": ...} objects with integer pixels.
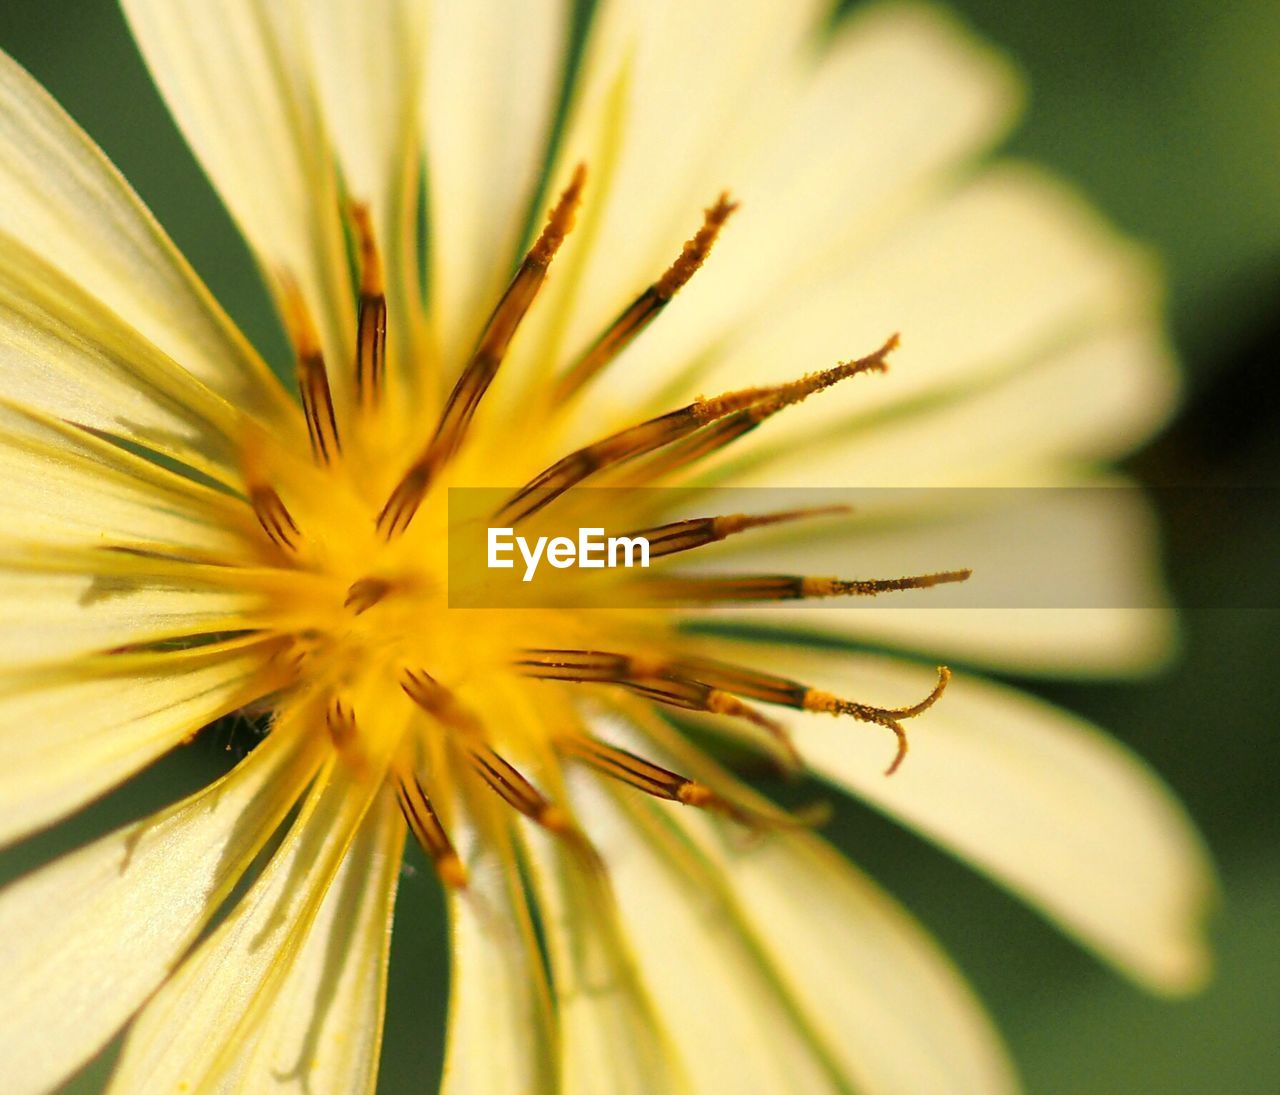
[
  {"x": 73, "y": 732},
  {"x": 236, "y": 76},
  {"x": 88, "y": 938},
  {"x": 866, "y": 130},
  {"x": 611, "y": 1035},
  {"x": 324, "y": 1028},
  {"x": 64, "y": 487},
  {"x": 501, "y": 1034},
  {"x": 1095, "y": 399},
  {"x": 732, "y": 1025},
  {"x": 1046, "y": 804},
  {"x": 63, "y": 352},
  {"x": 1010, "y": 268},
  {"x": 200, "y": 1031},
  {"x": 368, "y": 58},
  {"x": 859, "y": 972},
  {"x": 61, "y": 197},
  {"x": 1066, "y": 580},
  {"x": 53, "y": 614},
  {"x": 493, "y": 75}
]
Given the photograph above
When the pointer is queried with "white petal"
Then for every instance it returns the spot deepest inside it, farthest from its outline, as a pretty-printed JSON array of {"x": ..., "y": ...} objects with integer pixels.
[
  {"x": 86, "y": 939},
  {"x": 100, "y": 721},
  {"x": 493, "y": 74},
  {"x": 1046, "y": 804},
  {"x": 65, "y": 353},
  {"x": 236, "y": 76},
  {"x": 61, "y": 197},
  {"x": 500, "y": 1035},
  {"x": 200, "y": 1030},
  {"x": 324, "y": 1029},
  {"x": 64, "y": 487}
]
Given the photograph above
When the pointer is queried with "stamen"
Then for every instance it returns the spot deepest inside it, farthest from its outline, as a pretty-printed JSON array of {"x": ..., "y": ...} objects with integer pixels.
[
  {"x": 365, "y": 593},
  {"x": 340, "y": 720},
  {"x": 483, "y": 366},
  {"x": 784, "y": 587},
  {"x": 274, "y": 516},
  {"x": 313, "y": 377},
  {"x": 697, "y": 532},
  {"x": 648, "y": 305},
  {"x": 499, "y": 774},
  {"x": 658, "y": 680},
  {"x": 371, "y": 329},
  {"x": 674, "y": 426},
  {"x": 723, "y": 432},
  {"x": 430, "y": 834}
]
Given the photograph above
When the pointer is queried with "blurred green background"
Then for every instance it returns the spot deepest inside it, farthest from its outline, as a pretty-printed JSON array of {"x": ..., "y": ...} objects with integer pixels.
[{"x": 1168, "y": 113}]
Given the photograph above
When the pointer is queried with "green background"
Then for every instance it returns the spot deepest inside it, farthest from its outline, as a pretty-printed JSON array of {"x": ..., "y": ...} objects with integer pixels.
[{"x": 1168, "y": 113}]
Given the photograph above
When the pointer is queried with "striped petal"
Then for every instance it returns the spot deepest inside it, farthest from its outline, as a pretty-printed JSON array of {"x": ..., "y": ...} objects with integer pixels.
[
  {"x": 88, "y": 938},
  {"x": 501, "y": 1034},
  {"x": 493, "y": 74},
  {"x": 61, "y": 197},
  {"x": 324, "y": 1029},
  {"x": 204, "y": 1029},
  {"x": 1043, "y": 802},
  {"x": 368, "y": 60},
  {"x": 65, "y": 488},
  {"x": 73, "y": 732},
  {"x": 237, "y": 77},
  {"x": 773, "y": 964},
  {"x": 611, "y": 1035},
  {"x": 63, "y": 352}
]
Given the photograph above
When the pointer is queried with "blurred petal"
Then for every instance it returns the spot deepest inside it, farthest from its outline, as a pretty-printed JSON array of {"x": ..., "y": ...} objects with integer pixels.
[
  {"x": 500, "y": 1033},
  {"x": 64, "y": 487},
  {"x": 493, "y": 75},
  {"x": 324, "y": 1028},
  {"x": 1093, "y": 400},
  {"x": 86, "y": 939},
  {"x": 1046, "y": 804},
  {"x": 1011, "y": 268},
  {"x": 236, "y": 76},
  {"x": 859, "y": 132},
  {"x": 61, "y": 197},
  {"x": 1065, "y": 580},
  {"x": 204, "y": 1028},
  {"x": 101, "y": 720}
]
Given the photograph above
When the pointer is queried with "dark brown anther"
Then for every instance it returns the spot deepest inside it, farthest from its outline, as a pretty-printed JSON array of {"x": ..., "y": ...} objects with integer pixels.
[
  {"x": 274, "y": 516},
  {"x": 725, "y": 589},
  {"x": 425, "y": 825},
  {"x": 697, "y": 532},
  {"x": 371, "y": 326},
  {"x": 365, "y": 593},
  {"x": 313, "y": 376}
]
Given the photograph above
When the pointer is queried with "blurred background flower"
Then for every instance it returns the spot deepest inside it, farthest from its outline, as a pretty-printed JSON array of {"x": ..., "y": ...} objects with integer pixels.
[{"x": 1167, "y": 113}]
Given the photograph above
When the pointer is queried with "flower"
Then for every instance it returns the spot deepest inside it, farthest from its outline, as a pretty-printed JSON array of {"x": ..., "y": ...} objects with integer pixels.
[{"x": 182, "y": 540}]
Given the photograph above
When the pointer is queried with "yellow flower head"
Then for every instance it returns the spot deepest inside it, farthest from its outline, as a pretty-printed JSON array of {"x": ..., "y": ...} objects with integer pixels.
[{"x": 587, "y": 307}]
